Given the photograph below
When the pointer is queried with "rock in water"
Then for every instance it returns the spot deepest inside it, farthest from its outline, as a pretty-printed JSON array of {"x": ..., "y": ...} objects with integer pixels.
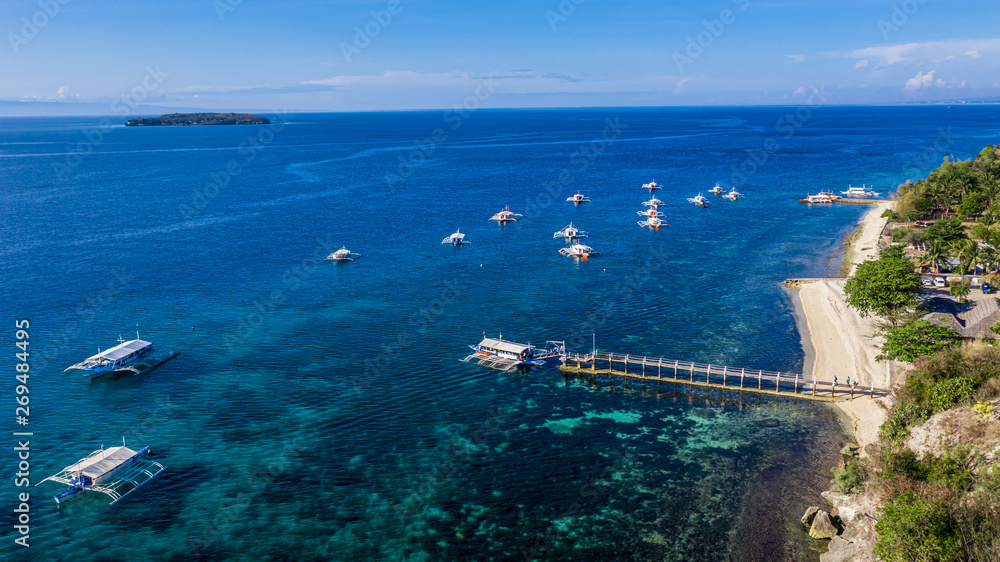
[
  {"x": 807, "y": 519},
  {"x": 841, "y": 550},
  {"x": 770, "y": 422},
  {"x": 822, "y": 527}
]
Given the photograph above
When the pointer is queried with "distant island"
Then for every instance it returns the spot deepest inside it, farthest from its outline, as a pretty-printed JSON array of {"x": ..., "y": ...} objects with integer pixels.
[{"x": 199, "y": 119}]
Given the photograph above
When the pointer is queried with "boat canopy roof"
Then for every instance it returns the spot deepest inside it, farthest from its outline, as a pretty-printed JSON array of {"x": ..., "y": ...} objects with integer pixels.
[
  {"x": 102, "y": 462},
  {"x": 122, "y": 350},
  {"x": 503, "y": 345}
]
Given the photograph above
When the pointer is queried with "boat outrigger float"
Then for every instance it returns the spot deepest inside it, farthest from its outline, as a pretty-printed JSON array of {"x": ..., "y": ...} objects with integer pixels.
[
  {"x": 507, "y": 356},
  {"x": 134, "y": 356},
  {"x": 117, "y": 472}
]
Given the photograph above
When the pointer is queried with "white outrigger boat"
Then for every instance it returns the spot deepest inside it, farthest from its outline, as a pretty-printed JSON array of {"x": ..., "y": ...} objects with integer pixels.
[
  {"x": 507, "y": 356},
  {"x": 650, "y": 212},
  {"x": 653, "y": 223},
  {"x": 343, "y": 254},
  {"x": 578, "y": 198},
  {"x": 651, "y": 186},
  {"x": 699, "y": 200},
  {"x": 505, "y": 216},
  {"x": 733, "y": 195},
  {"x": 456, "y": 239},
  {"x": 578, "y": 250},
  {"x": 654, "y": 203},
  {"x": 133, "y": 356},
  {"x": 570, "y": 233},
  {"x": 862, "y": 191},
  {"x": 116, "y": 472},
  {"x": 716, "y": 190}
]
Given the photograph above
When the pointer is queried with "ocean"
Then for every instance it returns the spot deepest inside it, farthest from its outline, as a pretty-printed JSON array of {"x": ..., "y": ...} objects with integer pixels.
[{"x": 319, "y": 410}]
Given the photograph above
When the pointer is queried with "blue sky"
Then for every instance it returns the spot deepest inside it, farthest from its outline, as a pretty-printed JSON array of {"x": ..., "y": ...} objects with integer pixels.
[{"x": 347, "y": 55}]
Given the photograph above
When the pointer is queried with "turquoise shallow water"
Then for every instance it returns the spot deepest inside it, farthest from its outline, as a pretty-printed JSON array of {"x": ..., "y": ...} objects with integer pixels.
[{"x": 319, "y": 410}]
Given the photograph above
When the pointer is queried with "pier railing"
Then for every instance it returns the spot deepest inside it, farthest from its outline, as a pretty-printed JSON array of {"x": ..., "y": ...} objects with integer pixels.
[{"x": 659, "y": 370}]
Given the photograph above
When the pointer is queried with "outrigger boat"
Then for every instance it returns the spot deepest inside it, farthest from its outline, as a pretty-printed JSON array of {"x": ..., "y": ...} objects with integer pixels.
[
  {"x": 507, "y": 356},
  {"x": 578, "y": 250},
  {"x": 133, "y": 356},
  {"x": 456, "y": 239},
  {"x": 650, "y": 212},
  {"x": 570, "y": 233},
  {"x": 117, "y": 472},
  {"x": 859, "y": 191},
  {"x": 653, "y": 222},
  {"x": 651, "y": 186},
  {"x": 716, "y": 190},
  {"x": 654, "y": 203},
  {"x": 505, "y": 216},
  {"x": 733, "y": 195},
  {"x": 578, "y": 198},
  {"x": 820, "y": 198},
  {"x": 699, "y": 200},
  {"x": 343, "y": 254}
]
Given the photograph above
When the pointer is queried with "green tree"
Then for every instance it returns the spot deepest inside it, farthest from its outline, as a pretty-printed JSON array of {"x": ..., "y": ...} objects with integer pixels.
[
  {"x": 969, "y": 254},
  {"x": 916, "y": 340},
  {"x": 886, "y": 286},
  {"x": 913, "y": 529},
  {"x": 946, "y": 230},
  {"x": 937, "y": 252},
  {"x": 960, "y": 290}
]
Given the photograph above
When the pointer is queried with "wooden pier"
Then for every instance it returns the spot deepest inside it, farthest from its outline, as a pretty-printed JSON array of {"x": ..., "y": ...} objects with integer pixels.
[{"x": 718, "y": 377}]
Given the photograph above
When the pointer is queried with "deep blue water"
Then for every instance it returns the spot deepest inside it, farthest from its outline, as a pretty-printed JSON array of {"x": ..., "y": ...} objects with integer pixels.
[{"x": 319, "y": 410}]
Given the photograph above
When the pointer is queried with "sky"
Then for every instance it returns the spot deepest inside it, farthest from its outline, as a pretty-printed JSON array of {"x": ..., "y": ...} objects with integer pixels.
[{"x": 134, "y": 57}]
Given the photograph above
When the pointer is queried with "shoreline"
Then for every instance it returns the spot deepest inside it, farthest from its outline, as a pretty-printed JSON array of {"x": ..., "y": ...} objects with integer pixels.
[{"x": 838, "y": 342}]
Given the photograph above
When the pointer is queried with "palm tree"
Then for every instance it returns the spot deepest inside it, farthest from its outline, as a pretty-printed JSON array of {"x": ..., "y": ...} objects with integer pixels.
[
  {"x": 990, "y": 259},
  {"x": 969, "y": 254},
  {"x": 936, "y": 253}
]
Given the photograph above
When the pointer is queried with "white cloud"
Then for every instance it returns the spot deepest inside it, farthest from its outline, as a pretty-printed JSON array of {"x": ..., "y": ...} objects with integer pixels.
[
  {"x": 863, "y": 63},
  {"x": 679, "y": 89},
  {"x": 63, "y": 90},
  {"x": 799, "y": 91},
  {"x": 920, "y": 81},
  {"x": 924, "y": 52},
  {"x": 796, "y": 58},
  {"x": 962, "y": 85}
]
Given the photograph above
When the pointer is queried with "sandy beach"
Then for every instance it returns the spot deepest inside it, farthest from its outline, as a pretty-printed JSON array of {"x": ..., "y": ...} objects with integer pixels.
[{"x": 842, "y": 342}]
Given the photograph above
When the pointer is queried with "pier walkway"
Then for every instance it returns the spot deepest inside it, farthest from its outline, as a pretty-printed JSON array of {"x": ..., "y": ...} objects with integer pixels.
[{"x": 719, "y": 377}]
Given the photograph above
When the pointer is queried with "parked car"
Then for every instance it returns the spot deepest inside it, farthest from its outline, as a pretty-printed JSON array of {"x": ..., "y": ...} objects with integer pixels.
[
  {"x": 926, "y": 281},
  {"x": 940, "y": 282}
]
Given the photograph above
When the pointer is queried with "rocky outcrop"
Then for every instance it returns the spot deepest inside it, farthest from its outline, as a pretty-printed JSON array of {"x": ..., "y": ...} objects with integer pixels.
[
  {"x": 822, "y": 526},
  {"x": 849, "y": 524},
  {"x": 810, "y": 514}
]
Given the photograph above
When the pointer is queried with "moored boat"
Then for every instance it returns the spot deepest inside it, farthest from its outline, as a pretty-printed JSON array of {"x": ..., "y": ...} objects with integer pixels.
[
  {"x": 505, "y": 216},
  {"x": 133, "y": 356},
  {"x": 343, "y": 254},
  {"x": 456, "y": 239},
  {"x": 570, "y": 233},
  {"x": 651, "y": 185},
  {"x": 116, "y": 472},
  {"x": 506, "y": 355},
  {"x": 716, "y": 190},
  {"x": 862, "y": 191},
  {"x": 578, "y": 198},
  {"x": 699, "y": 200},
  {"x": 578, "y": 250}
]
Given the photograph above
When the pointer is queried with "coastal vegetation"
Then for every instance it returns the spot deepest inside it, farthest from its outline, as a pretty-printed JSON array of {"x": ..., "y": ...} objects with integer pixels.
[
  {"x": 198, "y": 119},
  {"x": 934, "y": 473}
]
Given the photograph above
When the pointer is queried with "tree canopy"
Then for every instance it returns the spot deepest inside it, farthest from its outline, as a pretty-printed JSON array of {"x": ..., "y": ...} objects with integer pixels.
[
  {"x": 886, "y": 286},
  {"x": 916, "y": 340}
]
